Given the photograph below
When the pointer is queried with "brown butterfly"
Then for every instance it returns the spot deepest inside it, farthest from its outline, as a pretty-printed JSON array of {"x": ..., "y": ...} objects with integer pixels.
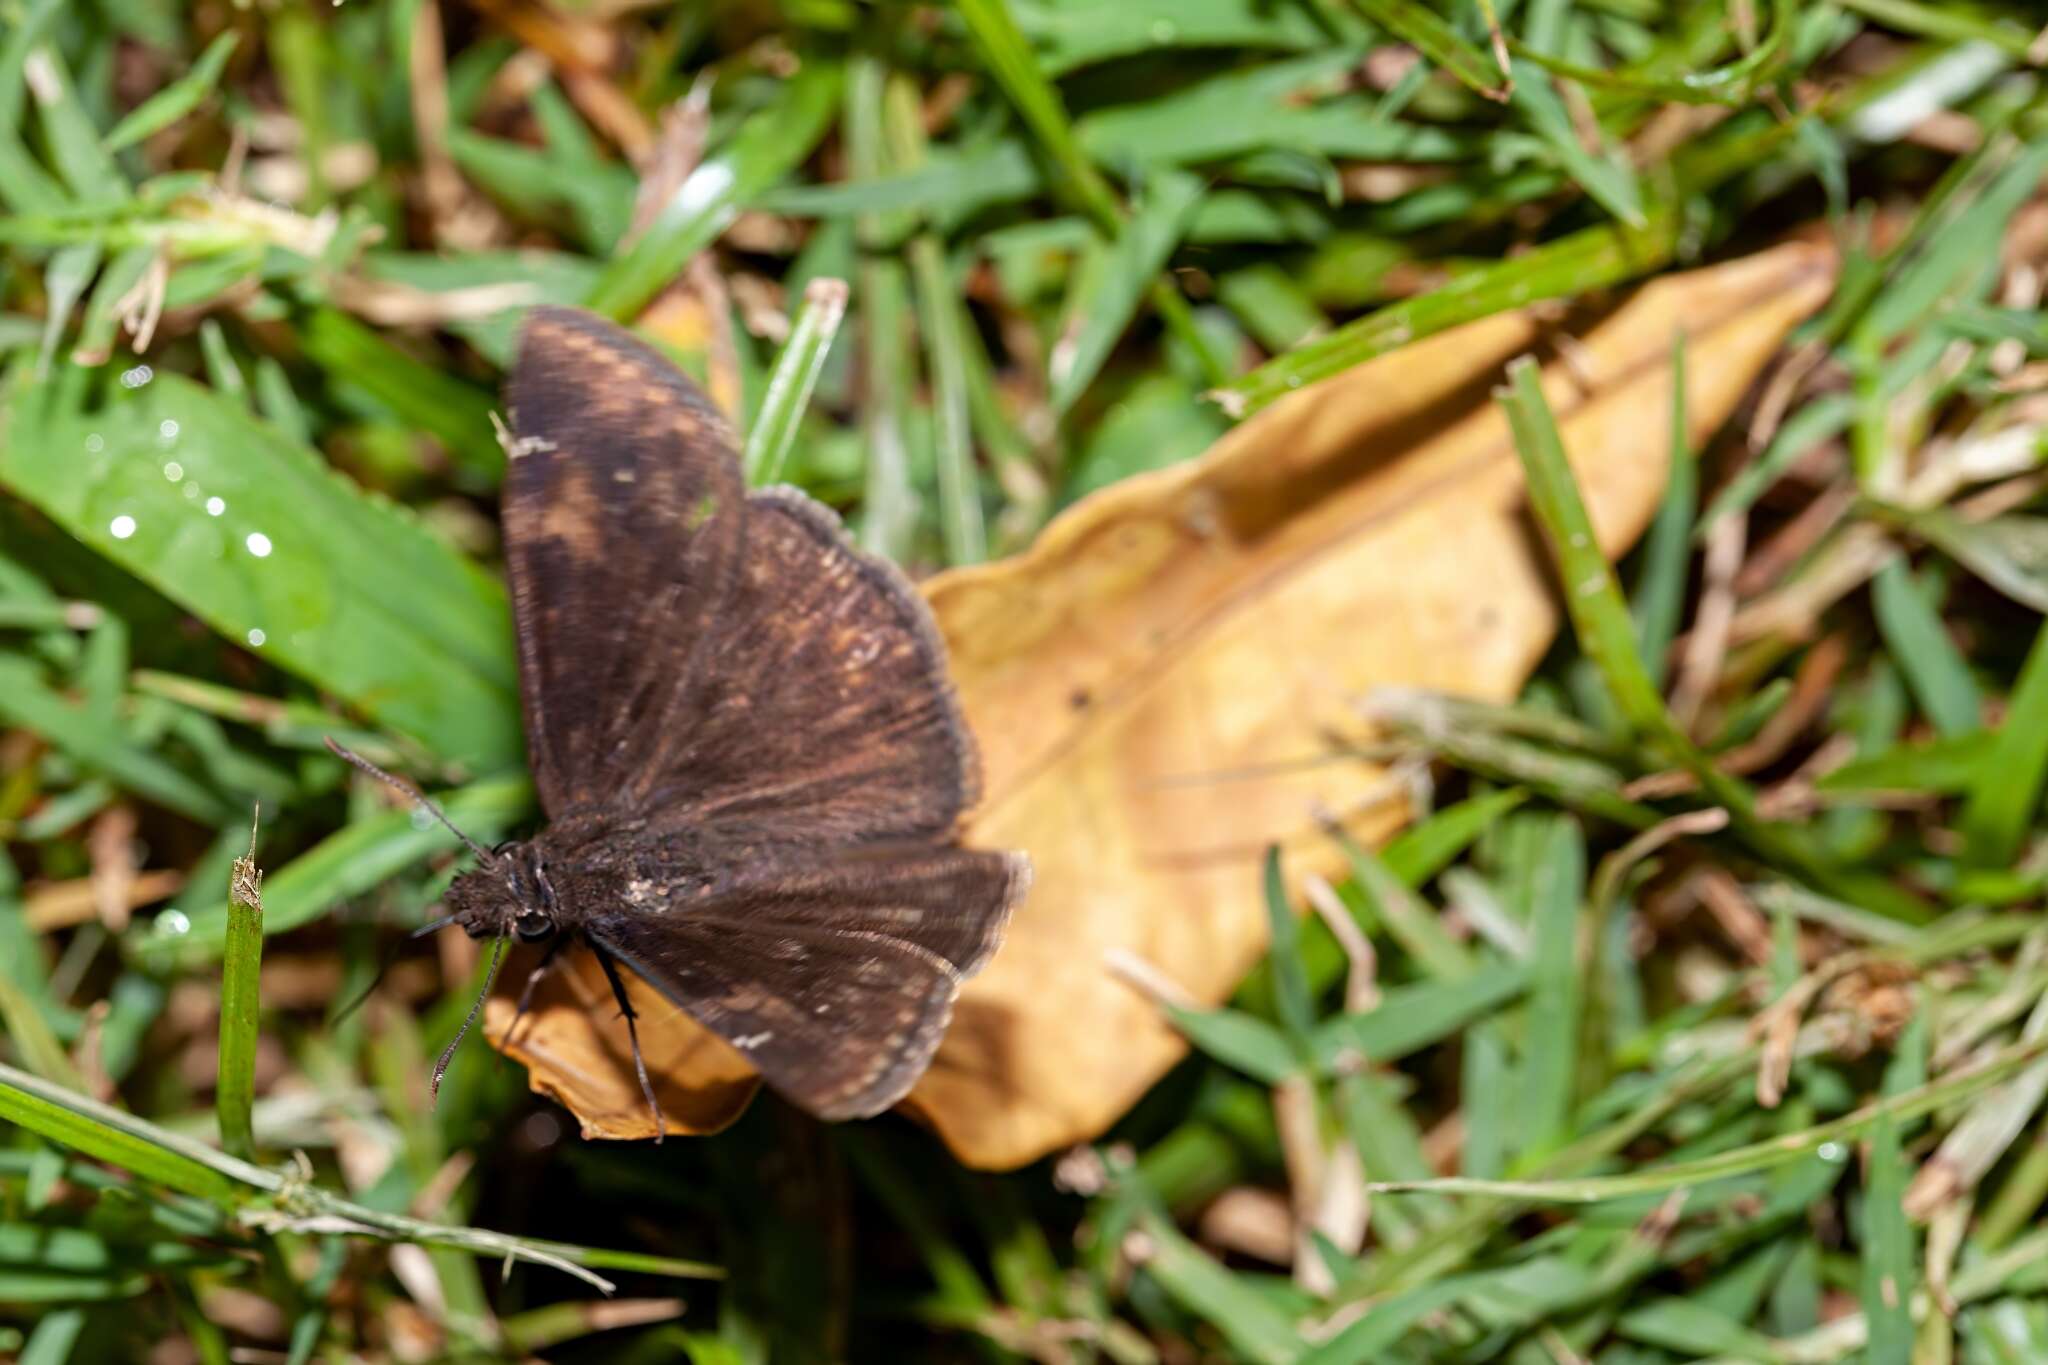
[{"x": 743, "y": 737}]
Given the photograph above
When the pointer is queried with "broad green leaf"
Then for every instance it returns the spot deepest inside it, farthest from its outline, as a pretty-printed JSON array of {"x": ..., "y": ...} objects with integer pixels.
[{"x": 258, "y": 537}]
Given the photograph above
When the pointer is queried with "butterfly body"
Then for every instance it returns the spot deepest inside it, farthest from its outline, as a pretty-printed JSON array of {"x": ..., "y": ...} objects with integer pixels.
[{"x": 742, "y": 734}]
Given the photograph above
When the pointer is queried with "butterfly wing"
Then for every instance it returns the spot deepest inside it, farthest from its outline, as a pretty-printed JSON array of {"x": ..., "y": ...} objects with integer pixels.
[
  {"x": 693, "y": 654},
  {"x": 824, "y": 704},
  {"x": 624, "y": 512},
  {"x": 833, "y": 976}
]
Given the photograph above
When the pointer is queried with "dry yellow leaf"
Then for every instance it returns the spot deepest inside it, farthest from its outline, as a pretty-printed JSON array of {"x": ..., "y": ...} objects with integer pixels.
[{"x": 1159, "y": 683}]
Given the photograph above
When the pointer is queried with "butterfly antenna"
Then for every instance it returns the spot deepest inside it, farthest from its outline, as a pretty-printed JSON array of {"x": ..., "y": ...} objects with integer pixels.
[
  {"x": 483, "y": 855},
  {"x": 389, "y": 960},
  {"x": 448, "y": 1053}
]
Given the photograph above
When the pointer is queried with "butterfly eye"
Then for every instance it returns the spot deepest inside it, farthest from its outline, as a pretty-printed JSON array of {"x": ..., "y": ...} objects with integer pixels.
[{"x": 533, "y": 925}]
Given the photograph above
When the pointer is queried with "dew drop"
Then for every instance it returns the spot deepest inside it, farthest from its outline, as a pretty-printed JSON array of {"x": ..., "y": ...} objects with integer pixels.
[
  {"x": 95, "y": 443},
  {"x": 259, "y": 544},
  {"x": 1831, "y": 1151},
  {"x": 215, "y": 506},
  {"x": 137, "y": 377},
  {"x": 173, "y": 922},
  {"x": 168, "y": 429},
  {"x": 121, "y": 527},
  {"x": 173, "y": 470},
  {"x": 257, "y": 637}
]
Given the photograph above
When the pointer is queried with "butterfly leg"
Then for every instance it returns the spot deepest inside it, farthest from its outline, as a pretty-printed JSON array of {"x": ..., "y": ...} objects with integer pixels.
[
  {"x": 533, "y": 980},
  {"x": 611, "y": 974}
]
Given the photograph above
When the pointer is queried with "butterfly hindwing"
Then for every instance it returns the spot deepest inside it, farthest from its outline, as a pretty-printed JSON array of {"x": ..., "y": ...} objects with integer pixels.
[
  {"x": 623, "y": 514},
  {"x": 833, "y": 974}
]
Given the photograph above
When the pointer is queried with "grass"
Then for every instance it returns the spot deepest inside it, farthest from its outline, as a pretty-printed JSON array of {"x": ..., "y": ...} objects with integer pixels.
[{"x": 1575, "y": 1068}]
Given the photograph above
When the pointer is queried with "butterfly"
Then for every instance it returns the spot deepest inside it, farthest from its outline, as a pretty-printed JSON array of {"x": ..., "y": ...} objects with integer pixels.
[{"x": 749, "y": 755}]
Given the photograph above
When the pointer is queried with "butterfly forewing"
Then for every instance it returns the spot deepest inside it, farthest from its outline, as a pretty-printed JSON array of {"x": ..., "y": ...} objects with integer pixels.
[
  {"x": 623, "y": 515},
  {"x": 828, "y": 710}
]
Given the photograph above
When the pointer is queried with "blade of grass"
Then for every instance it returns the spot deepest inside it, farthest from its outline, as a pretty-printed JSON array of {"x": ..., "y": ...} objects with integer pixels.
[
  {"x": 58, "y": 1114},
  {"x": 1410, "y": 1018},
  {"x": 793, "y": 380},
  {"x": 940, "y": 324},
  {"x": 1010, "y": 61},
  {"x": 1256, "y": 1330},
  {"x": 1605, "y": 179},
  {"x": 1436, "y": 40},
  {"x": 234, "y": 1096},
  {"x": 1411, "y": 923},
  {"x": 1583, "y": 260},
  {"x": 767, "y": 147},
  {"x": 27, "y": 702},
  {"x": 1958, "y": 1085},
  {"x": 1919, "y": 643},
  {"x": 1550, "y": 1044},
  {"x": 86, "y": 165},
  {"x": 1095, "y": 321},
  {"x": 456, "y": 412},
  {"x": 2006, "y": 790},
  {"x": 180, "y": 1163},
  {"x": 177, "y": 99},
  {"x": 1667, "y": 550},
  {"x": 889, "y": 507},
  {"x": 1888, "y": 1262},
  {"x": 1605, "y": 632},
  {"x": 1296, "y": 1007}
]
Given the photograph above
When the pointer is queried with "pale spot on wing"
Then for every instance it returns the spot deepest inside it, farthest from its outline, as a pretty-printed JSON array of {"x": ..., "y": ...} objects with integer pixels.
[{"x": 572, "y": 517}]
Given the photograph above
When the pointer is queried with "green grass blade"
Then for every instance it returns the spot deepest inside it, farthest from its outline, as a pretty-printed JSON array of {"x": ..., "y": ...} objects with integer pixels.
[
  {"x": 1920, "y": 644},
  {"x": 2006, "y": 790},
  {"x": 1605, "y": 179},
  {"x": 104, "y": 1134},
  {"x": 1435, "y": 39},
  {"x": 175, "y": 100},
  {"x": 456, "y": 412},
  {"x": 1412, "y": 924},
  {"x": 889, "y": 504},
  {"x": 75, "y": 147},
  {"x": 1958, "y": 1085},
  {"x": 1888, "y": 1269},
  {"x": 1822, "y": 419},
  {"x": 1096, "y": 320},
  {"x": 1583, "y": 260},
  {"x": 26, "y": 701},
  {"x": 1241, "y": 1041},
  {"x": 1290, "y": 977},
  {"x": 1550, "y": 1045},
  {"x": 1410, "y": 1018},
  {"x": 1009, "y": 59},
  {"x": 1258, "y": 1332},
  {"x": 1659, "y": 600},
  {"x": 793, "y": 380},
  {"x": 1591, "y": 594},
  {"x": 240, "y": 1007},
  {"x": 767, "y": 147}
]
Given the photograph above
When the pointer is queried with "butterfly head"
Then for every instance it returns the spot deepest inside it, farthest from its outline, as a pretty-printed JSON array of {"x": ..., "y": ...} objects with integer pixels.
[{"x": 510, "y": 895}]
